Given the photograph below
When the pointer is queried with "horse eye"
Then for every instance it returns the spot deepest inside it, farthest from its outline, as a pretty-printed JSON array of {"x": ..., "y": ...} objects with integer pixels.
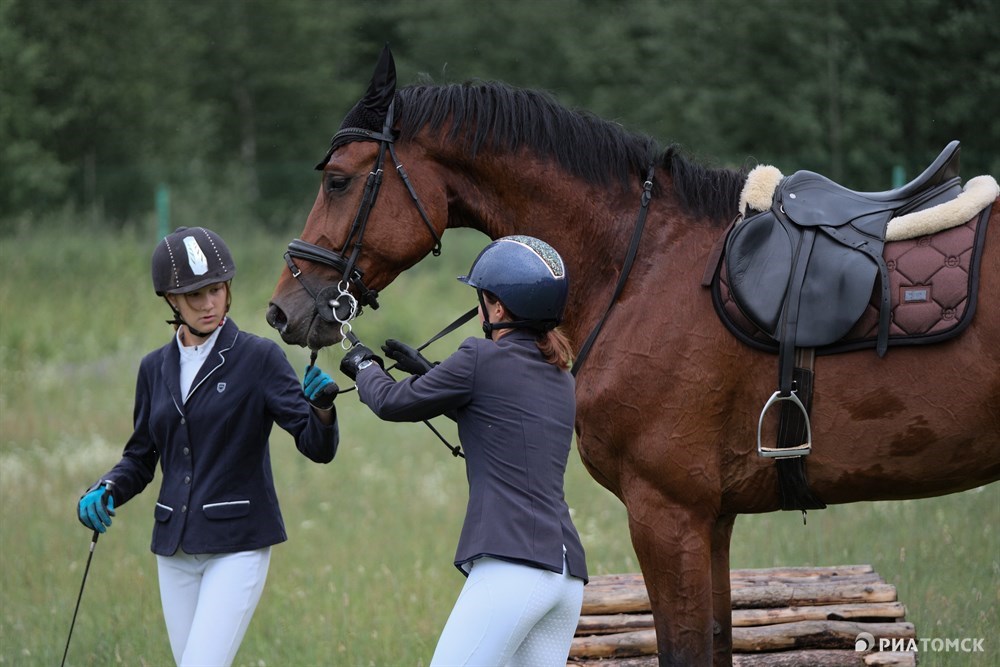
[{"x": 336, "y": 183}]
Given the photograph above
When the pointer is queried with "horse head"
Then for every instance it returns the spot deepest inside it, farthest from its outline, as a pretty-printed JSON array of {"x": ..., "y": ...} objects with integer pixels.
[{"x": 322, "y": 288}]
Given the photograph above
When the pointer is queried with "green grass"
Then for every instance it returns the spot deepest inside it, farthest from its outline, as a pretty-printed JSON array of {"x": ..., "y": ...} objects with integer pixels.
[{"x": 366, "y": 576}]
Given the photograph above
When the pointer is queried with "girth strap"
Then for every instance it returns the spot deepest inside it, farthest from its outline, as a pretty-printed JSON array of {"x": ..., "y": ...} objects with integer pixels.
[{"x": 793, "y": 485}]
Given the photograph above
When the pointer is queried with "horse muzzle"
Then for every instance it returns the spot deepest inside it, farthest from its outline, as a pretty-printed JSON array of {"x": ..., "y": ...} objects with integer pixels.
[{"x": 302, "y": 327}]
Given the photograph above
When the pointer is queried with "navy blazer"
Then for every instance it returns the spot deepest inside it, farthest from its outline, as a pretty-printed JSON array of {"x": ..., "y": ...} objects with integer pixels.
[
  {"x": 217, "y": 494},
  {"x": 515, "y": 415}
]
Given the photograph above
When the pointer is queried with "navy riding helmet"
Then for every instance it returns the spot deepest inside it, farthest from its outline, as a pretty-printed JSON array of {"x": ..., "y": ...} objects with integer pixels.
[{"x": 529, "y": 278}]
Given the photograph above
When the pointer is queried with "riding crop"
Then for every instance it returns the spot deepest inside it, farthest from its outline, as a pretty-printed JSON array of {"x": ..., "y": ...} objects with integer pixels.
[{"x": 93, "y": 543}]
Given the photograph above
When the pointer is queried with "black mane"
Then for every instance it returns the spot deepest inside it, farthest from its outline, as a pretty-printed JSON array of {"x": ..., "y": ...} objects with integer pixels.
[{"x": 496, "y": 116}]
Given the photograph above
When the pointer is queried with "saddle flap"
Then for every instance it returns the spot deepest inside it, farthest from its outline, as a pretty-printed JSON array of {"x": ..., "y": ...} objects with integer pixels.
[
  {"x": 836, "y": 282},
  {"x": 759, "y": 263},
  {"x": 835, "y": 292}
]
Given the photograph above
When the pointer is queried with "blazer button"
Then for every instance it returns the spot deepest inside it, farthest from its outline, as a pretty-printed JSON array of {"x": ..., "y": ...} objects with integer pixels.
[
  {"x": 184, "y": 508},
  {"x": 186, "y": 451},
  {"x": 183, "y": 421},
  {"x": 187, "y": 480}
]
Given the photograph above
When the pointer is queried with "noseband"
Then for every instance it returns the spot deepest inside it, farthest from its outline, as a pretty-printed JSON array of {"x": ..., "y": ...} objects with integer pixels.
[{"x": 335, "y": 303}]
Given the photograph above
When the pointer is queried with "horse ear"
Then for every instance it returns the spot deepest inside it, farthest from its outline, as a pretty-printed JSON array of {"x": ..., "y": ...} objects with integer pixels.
[
  {"x": 371, "y": 112},
  {"x": 383, "y": 84}
]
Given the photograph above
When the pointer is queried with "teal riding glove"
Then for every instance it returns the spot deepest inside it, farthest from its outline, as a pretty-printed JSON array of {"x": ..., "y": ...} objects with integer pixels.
[
  {"x": 319, "y": 388},
  {"x": 96, "y": 508}
]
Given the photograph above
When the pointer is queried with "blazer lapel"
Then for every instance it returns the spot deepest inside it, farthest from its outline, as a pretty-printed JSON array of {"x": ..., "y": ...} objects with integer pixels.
[
  {"x": 215, "y": 361},
  {"x": 171, "y": 372}
]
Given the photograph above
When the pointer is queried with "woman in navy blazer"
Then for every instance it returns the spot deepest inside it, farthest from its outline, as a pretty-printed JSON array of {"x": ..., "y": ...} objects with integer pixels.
[
  {"x": 205, "y": 404},
  {"x": 513, "y": 399}
]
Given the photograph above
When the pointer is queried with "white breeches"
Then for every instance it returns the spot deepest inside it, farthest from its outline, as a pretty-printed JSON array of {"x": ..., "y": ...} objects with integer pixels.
[
  {"x": 511, "y": 615},
  {"x": 208, "y": 601}
]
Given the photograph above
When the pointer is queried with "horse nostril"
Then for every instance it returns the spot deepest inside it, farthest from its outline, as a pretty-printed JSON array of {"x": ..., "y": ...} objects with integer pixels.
[{"x": 276, "y": 318}]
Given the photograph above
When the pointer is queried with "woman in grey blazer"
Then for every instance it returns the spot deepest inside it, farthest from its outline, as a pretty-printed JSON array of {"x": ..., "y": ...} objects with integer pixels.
[{"x": 513, "y": 399}]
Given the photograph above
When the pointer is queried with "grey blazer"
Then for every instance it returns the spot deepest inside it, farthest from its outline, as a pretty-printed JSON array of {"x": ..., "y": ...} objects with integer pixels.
[{"x": 515, "y": 415}]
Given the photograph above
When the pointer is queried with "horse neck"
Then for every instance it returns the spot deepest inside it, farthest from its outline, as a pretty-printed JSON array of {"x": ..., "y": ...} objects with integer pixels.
[{"x": 590, "y": 225}]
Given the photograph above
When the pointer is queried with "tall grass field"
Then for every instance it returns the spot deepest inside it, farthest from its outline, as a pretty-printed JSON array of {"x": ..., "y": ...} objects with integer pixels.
[{"x": 366, "y": 575}]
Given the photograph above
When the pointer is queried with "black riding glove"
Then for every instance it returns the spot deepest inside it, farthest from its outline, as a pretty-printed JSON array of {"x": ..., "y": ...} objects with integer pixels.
[
  {"x": 407, "y": 359},
  {"x": 355, "y": 357}
]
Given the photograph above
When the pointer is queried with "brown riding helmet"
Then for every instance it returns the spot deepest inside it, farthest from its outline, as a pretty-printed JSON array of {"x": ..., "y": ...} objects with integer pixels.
[{"x": 190, "y": 258}]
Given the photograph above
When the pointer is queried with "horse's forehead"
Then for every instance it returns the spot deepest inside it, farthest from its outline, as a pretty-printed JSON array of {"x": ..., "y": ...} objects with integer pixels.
[{"x": 353, "y": 155}]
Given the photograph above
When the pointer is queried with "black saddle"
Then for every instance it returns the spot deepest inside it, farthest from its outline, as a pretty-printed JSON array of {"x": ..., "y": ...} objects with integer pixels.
[{"x": 804, "y": 270}]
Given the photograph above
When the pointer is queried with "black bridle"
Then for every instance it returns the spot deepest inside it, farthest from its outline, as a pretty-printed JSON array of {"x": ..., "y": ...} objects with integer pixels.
[{"x": 335, "y": 303}]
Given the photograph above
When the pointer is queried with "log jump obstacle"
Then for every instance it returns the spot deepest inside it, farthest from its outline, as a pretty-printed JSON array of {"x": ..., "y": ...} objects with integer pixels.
[{"x": 782, "y": 617}]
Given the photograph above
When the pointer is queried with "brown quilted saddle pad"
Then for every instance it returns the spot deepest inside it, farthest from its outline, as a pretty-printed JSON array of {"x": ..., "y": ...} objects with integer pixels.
[{"x": 933, "y": 281}]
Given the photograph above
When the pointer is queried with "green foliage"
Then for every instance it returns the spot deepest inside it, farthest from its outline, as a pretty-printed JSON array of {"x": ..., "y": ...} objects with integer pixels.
[
  {"x": 28, "y": 169},
  {"x": 103, "y": 102}
]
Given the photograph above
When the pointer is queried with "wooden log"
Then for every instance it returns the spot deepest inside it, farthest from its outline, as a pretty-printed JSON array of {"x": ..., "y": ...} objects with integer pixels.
[
  {"x": 892, "y": 658},
  {"x": 837, "y": 612},
  {"x": 638, "y": 661},
  {"x": 842, "y": 570},
  {"x": 627, "y": 579},
  {"x": 813, "y": 635},
  {"x": 614, "y": 599},
  {"x": 820, "y": 658},
  {"x": 809, "y": 658},
  {"x": 621, "y": 644},
  {"x": 602, "y": 624},
  {"x": 814, "y": 579},
  {"x": 794, "y": 595},
  {"x": 773, "y": 573}
]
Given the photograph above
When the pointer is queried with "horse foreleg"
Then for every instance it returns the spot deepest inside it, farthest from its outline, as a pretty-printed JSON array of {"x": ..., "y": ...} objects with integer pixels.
[
  {"x": 722, "y": 533},
  {"x": 673, "y": 545}
]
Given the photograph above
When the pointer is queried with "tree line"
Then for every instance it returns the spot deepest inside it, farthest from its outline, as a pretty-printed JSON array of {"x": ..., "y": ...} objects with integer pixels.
[{"x": 231, "y": 102}]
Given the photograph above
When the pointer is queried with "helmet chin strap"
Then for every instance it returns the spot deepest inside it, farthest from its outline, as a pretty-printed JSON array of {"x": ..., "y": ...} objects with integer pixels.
[
  {"x": 178, "y": 320},
  {"x": 490, "y": 327},
  {"x": 487, "y": 325}
]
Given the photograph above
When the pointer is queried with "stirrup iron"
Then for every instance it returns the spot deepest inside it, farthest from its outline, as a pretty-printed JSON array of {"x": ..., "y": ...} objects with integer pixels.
[{"x": 784, "y": 452}]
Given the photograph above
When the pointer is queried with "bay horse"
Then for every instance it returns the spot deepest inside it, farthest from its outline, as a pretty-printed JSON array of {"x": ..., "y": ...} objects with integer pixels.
[{"x": 668, "y": 399}]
